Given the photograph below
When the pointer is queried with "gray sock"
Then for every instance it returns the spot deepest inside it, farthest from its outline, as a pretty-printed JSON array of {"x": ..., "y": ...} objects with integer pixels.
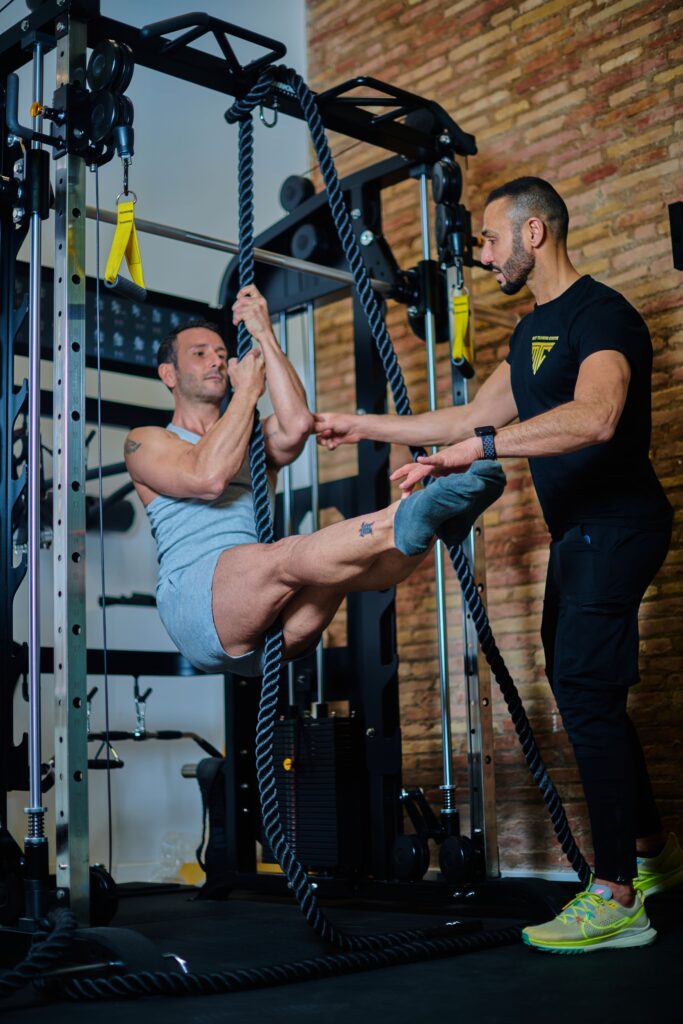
[{"x": 447, "y": 508}]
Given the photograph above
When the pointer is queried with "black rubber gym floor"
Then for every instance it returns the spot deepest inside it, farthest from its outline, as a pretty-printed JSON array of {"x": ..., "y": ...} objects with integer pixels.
[{"x": 506, "y": 984}]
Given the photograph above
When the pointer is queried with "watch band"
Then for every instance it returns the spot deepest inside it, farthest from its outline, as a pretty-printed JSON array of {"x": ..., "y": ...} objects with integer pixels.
[{"x": 487, "y": 435}]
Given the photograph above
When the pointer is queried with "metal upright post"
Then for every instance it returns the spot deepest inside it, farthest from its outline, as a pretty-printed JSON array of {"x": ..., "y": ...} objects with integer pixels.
[
  {"x": 313, "y": 471},
  {"x": 36, "y": 851},
  {"x": 71, "y": 755},
  {"x": 477, "y": 675},
  {"x": 448, "y": 787}
]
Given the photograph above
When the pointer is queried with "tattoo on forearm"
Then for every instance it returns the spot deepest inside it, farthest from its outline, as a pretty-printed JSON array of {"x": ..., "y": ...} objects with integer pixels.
[
  {"x": 131, "y": 446},
  {"x": 365, "y": 529}
]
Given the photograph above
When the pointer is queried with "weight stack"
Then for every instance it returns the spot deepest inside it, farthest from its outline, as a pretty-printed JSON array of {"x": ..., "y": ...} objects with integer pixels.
[{"x": 320, "y": 775}]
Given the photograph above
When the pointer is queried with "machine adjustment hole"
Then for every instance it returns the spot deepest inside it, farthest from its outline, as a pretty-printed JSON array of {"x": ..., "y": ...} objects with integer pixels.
[
  {"x": 76, "y": 278},
  {"x": 75, "y": 556},
  {"x": 75, "y": 486},
  {"x": 78, "y": 776},
  {"x": 75, "y": 416},
  {"x": 77, "y": 702},
  {"x": 76, "y": 630},
  {"x": 75, "y": 347},
  {"x": 76, "y": 212}
]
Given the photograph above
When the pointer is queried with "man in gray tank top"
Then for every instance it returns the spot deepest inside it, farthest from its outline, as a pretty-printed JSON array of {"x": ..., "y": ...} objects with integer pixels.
[{"x": 219, "y": 589}]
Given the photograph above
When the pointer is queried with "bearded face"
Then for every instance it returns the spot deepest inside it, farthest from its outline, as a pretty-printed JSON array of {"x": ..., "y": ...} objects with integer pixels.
[{"x": 517, "y": 266}]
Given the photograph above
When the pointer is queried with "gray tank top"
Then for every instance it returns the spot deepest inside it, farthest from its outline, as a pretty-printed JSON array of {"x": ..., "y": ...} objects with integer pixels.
[{"x": 187, "y": 529}]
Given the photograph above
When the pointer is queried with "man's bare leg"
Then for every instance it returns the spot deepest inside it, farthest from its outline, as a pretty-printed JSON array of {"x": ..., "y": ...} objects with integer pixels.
[
  {"x": 312, "y": 609},
  {"x": 253, "y": 583}
]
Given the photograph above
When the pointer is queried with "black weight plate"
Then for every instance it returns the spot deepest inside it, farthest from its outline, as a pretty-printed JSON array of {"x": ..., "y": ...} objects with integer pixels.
[{"x": 104, "y": 66}]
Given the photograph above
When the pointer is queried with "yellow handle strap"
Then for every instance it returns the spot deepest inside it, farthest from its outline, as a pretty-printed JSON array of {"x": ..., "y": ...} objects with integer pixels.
[
  {"x": 462, "y": 333},
  {"x": 125, "y": 244}
]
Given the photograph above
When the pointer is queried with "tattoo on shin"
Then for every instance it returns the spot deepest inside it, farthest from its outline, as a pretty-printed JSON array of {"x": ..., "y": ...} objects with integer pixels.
[
  {"x": 365, "y": 529},
  {"x": 131, "y": 446}
]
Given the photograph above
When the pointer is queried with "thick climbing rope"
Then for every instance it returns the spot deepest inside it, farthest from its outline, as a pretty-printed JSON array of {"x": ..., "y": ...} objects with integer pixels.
[
  {"x": 241, "y": 111},
  {"x": 43, "y": 954}
]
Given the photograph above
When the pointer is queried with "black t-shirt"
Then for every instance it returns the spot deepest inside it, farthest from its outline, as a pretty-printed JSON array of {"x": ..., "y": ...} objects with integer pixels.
[{"x": 614, "y": 480}]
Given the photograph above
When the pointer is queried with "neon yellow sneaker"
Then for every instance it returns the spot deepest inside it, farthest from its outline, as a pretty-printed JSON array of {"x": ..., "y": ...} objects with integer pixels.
[
  {"x": 592, "y": 921},
  {"x": 661, "y": 872}
]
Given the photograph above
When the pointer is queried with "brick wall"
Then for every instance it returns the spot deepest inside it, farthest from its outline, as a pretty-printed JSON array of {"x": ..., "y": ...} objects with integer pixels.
[{"x": 588, "y": 94}]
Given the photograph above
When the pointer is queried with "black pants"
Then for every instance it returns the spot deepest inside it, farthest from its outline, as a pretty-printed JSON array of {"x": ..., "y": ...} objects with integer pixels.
[{"x": 597, "y": 575}]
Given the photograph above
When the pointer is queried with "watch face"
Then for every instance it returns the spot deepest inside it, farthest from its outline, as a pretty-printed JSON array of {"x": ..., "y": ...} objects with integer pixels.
[{"x": 483, "y": 431}]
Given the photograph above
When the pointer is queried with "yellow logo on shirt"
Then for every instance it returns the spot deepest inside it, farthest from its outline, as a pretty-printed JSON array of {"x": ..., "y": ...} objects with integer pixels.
[{"x": 541, "y": 344}]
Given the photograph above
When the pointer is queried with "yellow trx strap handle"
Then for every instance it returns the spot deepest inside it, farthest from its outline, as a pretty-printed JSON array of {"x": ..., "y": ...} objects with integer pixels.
[
  {"x": 125, "y": 245},
  {"x": 462, "y": 350}
]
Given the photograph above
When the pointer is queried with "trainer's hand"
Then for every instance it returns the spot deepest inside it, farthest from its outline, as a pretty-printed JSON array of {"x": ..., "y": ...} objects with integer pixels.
[
  {"x": 249, "y": 373},
  {"x": 335, "y": 428},
  {"x": 454, "y": 459},
  {"x": 252, "y": 308}
]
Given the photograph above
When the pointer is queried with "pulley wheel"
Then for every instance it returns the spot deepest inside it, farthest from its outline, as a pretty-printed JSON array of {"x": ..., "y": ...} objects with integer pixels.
[
  {"x": 306, "y": 243},
  {"x": 457, "y": 858},
  {"x": 104, "y": 113},
  {"x": 127, "y": 68},
  {"x": 410, "y": 857},
  {"x": 104, "y": 900},
  {"x": 126, "y": 112},
  {"x": 447, "y": 182},
  {"x": 295, "y": 190},
  {"x": 105, "y": 66}
]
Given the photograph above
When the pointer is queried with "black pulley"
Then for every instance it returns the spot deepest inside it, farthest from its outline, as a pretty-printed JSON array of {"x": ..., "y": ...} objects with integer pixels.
[
  {"x": 104, "y": 900},
  {"x": 410, "y": 857},
  {"x": 447, "y": 182},
  {"x": 295, "y": 190},
  {"x": 457, "y": 858},
  {"x": 307, "y": 243},
  {"x": 104, "y": 115},
  {"x": 110, "y": 67}
]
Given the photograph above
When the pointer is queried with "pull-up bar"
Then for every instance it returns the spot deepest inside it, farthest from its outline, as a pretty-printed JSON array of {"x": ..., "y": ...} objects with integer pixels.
[{"x": 280, "y": 260}]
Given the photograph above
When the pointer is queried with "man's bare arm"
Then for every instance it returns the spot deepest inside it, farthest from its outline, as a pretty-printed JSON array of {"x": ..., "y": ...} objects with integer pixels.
[
  {"x": 493, "y": 404},
  {"x": 168, "y": 465},
  {"x": 590, "y": 418},
  {"x": 286, "y": 431}
]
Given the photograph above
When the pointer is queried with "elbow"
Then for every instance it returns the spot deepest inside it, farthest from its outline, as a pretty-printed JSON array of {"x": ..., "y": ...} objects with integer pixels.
[
  {"x": 605, "y": 424},
  {"x": 303, "y": 427},
  {"x": 211, "y": 487},
  {"x": 299, "y": 430}
]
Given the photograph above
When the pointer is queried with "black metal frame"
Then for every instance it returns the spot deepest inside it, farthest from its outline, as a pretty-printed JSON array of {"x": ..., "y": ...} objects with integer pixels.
[{"x": 370, "y": 665}]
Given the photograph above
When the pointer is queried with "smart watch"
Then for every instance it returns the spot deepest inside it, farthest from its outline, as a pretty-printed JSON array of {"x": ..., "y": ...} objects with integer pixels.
[{"x": 487, "y": 435}]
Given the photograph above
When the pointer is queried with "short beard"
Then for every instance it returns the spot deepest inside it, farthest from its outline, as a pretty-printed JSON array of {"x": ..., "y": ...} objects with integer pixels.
[
  {"x": 196, "y": 393},
  {"x": 517, "y": 267}
]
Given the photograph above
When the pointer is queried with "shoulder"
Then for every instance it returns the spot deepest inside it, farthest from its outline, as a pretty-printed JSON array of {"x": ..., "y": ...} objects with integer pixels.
[
  {"x": 598, "y": 299},
  {"x": 147, "y": 437},
  {"x": 605, "y": 319}
]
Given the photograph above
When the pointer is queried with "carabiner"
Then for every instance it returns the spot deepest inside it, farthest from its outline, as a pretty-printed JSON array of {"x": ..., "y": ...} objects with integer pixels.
[{"x": 262, "y": 119}]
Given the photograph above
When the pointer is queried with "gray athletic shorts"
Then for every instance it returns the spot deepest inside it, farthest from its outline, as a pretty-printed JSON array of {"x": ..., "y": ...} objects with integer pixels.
[{"x": 185, "y": 608}]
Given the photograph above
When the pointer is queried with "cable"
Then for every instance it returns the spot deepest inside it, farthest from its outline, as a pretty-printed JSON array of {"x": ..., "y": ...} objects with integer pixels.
[
  {"x": 335, "y": 157},
  {"x": 101, "y": 517},
  {"x": 8, "y": 4}
]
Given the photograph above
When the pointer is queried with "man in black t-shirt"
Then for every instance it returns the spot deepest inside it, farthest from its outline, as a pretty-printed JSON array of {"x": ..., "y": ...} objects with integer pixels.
[{"x": 573, "y": 396}]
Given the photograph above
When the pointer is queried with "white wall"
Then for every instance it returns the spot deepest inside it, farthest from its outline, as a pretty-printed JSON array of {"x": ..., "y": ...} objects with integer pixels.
[{"x": 184, "y": 173}]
